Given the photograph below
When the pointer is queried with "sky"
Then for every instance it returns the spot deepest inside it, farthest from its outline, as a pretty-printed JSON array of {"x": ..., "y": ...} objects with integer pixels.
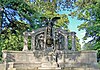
[
  {"x": 73, "y": 23},
  {"x": 72, "y": 26}
]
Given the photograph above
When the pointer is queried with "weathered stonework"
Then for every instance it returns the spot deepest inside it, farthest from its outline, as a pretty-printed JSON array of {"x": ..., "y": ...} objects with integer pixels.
[
  {"x": 70, "y": 60},
  {"x": 2, "y": 67},
  {"x": 49, "y": 51}
]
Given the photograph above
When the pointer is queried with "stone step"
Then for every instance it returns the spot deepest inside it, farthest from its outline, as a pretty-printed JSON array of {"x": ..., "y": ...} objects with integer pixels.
[
  {"x": 36, "y": 68},
  {"x": 26, "y": 69},
  {"x": 41, "y": 68},
  {"x": 49, "y": 68},
  {"x": 81, "y": 65},
  {"x": 68, "y": 68},
  {"x": 25, "y": 66},
  {"x": 81, "y": 68},
  {"x": 11, "y": 68}
]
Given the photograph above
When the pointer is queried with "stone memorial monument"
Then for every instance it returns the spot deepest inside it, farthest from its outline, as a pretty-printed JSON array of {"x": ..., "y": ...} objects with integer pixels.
[{"x": 49, "y": 51}]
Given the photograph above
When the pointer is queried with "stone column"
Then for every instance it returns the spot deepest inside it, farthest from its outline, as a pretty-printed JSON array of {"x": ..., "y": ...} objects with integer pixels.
[
  {"x": 33, "y": 43},
  {"x": 66, "y": 42},
  {"x": 25, "y": 48},
  {"x": 73, "y": 41},
  {"x": 53, "y": 33},
  {"x": 32, "y": 40},
  {"x": 45, "y": 33}
]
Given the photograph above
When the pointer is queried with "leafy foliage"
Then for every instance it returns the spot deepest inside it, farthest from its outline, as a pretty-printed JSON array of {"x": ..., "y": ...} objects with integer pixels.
[
  {"x": 16, "y": 10},
  {"x": 12, "y": 38},
  {"x": 24, "y": 15},
  {"x": 89, "y": 11},
  {"x": 48, "y": 9}
]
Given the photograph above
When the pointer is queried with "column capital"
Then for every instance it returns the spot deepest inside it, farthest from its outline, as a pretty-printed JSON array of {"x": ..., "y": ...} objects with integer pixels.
[
  {"x": 27, "y": 33},
  {"x": 72, "y": 33}
]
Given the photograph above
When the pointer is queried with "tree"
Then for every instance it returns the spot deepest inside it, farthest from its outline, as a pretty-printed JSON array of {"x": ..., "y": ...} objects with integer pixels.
[
  {"x": 28, "y": 10},
  {"x": 25, "y": 15},
  {"x": 16, "y": 10},
  {"x": 15, "y": 18},
  {"x": 89, "y": 11}
]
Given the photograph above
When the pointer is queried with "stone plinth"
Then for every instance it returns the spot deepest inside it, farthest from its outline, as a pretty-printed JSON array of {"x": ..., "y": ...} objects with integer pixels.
[
  {"x": 19, "y": 56},
  {"x": 81, "y": 57},
  {"x": 2, "y": 67},
  {"x": 79, "y": 60},
  {"x": 49, "y": 68},
  {"x": 11, "y": 66}
]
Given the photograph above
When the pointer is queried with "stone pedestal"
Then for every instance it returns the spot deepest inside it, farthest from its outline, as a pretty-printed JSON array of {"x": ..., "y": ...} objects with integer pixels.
[
  {"x": 49, "y": 68},
  {"x": 11, "y": 66},
  {"x": 69, "y": 60}
]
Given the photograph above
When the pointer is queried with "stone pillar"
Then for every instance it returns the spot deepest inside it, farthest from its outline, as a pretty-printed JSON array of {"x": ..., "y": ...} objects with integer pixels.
[
  {"x": 32, "y": 40},
  {"x": 33, "y": 43},
  {"x": 66, "y": 42},
  {"x": 25, "y": 48},
  {"x": 73, "y": 41},
  {"x": 11, "y": 66},
  {"x": 45, "y": 33}
]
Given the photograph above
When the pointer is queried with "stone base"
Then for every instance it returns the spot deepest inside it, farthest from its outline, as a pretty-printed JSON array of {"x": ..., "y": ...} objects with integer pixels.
[
  {"x": 81, "y": 68},
  {"x": 2, "y": 67},
  {"x": 67, "y": 60},
  {"x": 26, "y": 65},
  {"x": 58, "y": 68},
  {"x": 11, "y": 68},
  {"x": 48, "y": 64},
  {"x": 49, "y": 68}
]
